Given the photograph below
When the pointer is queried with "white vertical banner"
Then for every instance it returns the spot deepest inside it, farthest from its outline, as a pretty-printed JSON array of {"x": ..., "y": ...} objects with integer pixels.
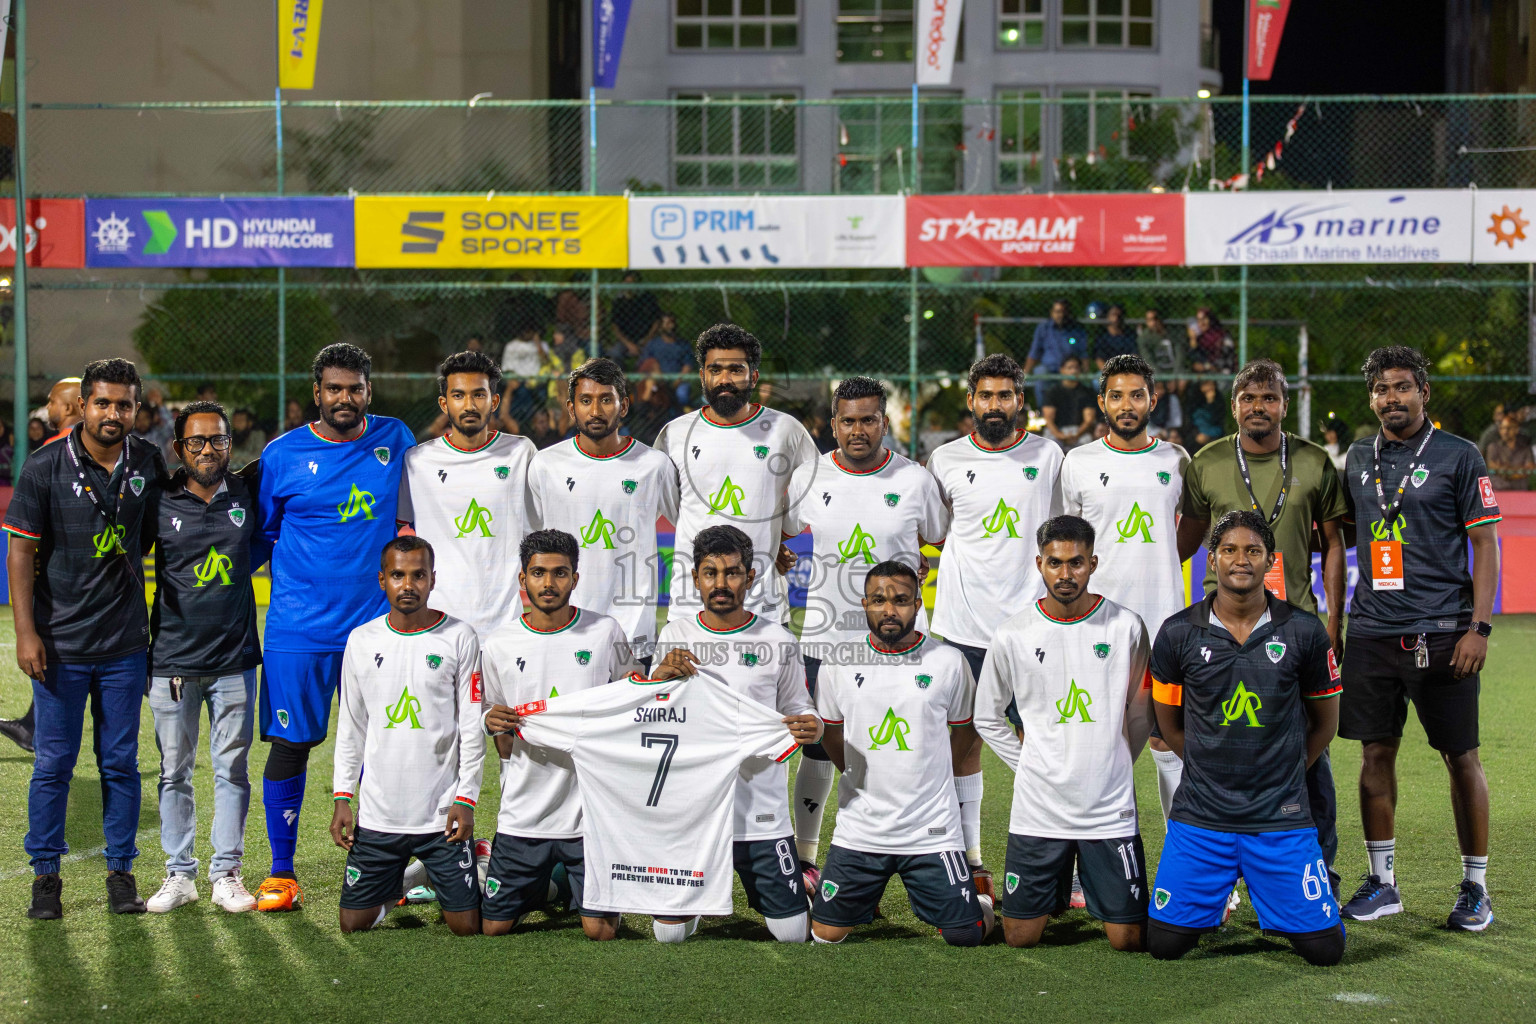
[{"x": 938, "y": 28}]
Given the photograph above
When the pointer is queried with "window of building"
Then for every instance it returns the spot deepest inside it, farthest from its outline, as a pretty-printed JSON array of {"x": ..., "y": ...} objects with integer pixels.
[
  {"x": 1108, "y": 23},
  {"x": 1020, "y": 24},
  {"x": 736, "y": 24},
  {"x": 1019, "y": 141},
  {"x": 1096, "y": 123},
  {"x": 720, "y": 144},
  {"x": 874, "y": 31},
  {"x": 874, "y": 135}
]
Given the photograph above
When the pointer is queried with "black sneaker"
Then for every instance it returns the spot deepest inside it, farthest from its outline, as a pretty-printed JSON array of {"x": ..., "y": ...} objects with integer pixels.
[
  {"x": 1473, "y": 911},
  {"x": 1374, "y": 899},
  {"x": 46, "y": 904},
  {"x": 18, "y": 730},
  {"x": 123, "y": 893}
]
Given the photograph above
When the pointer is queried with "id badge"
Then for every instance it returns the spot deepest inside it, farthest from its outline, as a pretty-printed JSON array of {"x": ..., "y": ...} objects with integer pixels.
[
  {"x": 1387, "y": 565},
  {"x": 1274, "y": 580}
]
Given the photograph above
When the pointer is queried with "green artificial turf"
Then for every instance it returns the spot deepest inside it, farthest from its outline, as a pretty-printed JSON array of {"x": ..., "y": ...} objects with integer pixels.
[{"x": 202, "y": 965}]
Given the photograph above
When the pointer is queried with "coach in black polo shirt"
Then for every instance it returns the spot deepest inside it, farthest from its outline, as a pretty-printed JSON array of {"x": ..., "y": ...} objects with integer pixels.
[
  {"x": 77, "y": 594},
  {"x": 204, "y": 524},
  {"x": 1418, "y": 624}
]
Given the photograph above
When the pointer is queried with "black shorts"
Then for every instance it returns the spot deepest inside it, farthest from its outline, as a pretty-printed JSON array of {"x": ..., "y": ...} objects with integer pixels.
[
  {"x": 517, "y": 878},
  {"x": 977, "y": 657},
  {"x": 770, "y": 872},
  {"x": 1380, "y": 677},
  {"x": 376, "y": 869},
  {"x": 938, "y": 885},
  {"x": 1037, "y": 877}
]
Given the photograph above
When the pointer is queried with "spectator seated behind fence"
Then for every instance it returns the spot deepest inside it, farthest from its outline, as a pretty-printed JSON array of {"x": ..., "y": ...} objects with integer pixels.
[
  {"x": 1509, "y": 456},
  {"x": 1167, "y": 414},
  {"x": 1167, "y": 355},
  {"x": 1056, "y": 339},
  {"x": 1210, "y": 346},
  {"x": 665, "y": 352},
  {"x": 654, "y": 407},
  {"x": 1336, "y": 441},
  {"x": 1070, "y": 408},
  {"x": 1207, "y": 417},
  {"x": 635, "y": 315},
  {"x": 1491, "y": 432},
  {"x": 246, "y": 441},
  {"x": 1115, "y": 339}
]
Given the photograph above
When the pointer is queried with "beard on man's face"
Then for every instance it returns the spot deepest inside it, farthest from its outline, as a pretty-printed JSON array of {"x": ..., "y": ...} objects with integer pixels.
[
  {"x": 994, "y": 427},
  {"x": 726, "y": 399}
]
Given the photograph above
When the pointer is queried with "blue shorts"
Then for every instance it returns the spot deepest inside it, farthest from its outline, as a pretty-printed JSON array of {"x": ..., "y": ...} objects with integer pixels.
[
  {"x": 1287, "y": 880},
  {"x": 296, "y": 692}
]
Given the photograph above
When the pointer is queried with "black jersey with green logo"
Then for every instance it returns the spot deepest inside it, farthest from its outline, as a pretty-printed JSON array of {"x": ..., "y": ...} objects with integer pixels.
[{"x": 1245, "y": 729}]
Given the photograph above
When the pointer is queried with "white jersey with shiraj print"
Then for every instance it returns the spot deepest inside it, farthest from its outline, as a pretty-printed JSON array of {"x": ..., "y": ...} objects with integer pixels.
[
  {"x": 610, "y": 504},
  {"x": 539, "y": 795},
  {"x": 897, "y": 791},
  {"x": 1132, "y": 501},
  {"x": 471, "y": 506},
  {"x": 760, "y": 661},
  {"x": 1082, "y": 688},
  {"x": 856, "y": 520},
  {"x": 408, "y": 737},
  {"x": 997, "y": 499},
  {"x": 734, "y": 475}
]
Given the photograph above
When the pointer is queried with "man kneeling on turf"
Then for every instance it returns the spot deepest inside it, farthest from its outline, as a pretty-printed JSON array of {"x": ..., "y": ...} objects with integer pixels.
[
  {"x": 1246, "y": 691},
  {"x": 410, "y": 716},
  {"x": 905, "y": 702},
  {"x": 1076, "y": 666}
]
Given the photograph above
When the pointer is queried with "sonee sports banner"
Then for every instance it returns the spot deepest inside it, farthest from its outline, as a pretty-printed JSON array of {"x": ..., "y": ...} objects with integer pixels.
[{"x": 574, "y": 232}]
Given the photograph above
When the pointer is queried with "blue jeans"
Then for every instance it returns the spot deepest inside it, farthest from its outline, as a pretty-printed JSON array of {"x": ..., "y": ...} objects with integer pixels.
[
  {"x": 231, "y": 702},
  {"x": 116, "y": 692}
]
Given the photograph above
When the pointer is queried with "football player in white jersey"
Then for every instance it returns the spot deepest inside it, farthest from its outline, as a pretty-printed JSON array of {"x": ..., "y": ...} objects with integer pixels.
[
  {"x": 409, "y": 700},
  {"x": 465, "y": 493},
  {"x": 607, "y": 490},
  {"x": 898, "y": 724},
  {"x": 734, "y": 460},
  {"x": 760, "y": 660},
  {"x": 1075, "y": 668},
  {"x": 1128, "y": 485},
  {"x": 863, "y": 504},
  {"x": 554, "y": 648}
]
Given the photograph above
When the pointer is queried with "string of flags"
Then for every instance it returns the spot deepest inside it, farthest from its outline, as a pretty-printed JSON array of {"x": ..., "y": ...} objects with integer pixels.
[{"x": 1267, "y": 162}]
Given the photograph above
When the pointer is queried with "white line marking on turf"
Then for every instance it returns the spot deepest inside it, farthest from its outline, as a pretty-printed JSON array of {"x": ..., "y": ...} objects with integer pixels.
[
  {"x": 1366, "y": 998},
  {"x": 139, "y": 840}
]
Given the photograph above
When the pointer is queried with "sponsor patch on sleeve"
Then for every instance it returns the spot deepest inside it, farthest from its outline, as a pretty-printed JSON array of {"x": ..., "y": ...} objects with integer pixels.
[
  {"x": 1485, "y": 488},
  {"x": 1333, "y": 666},
  {"x": 476, "y": 694},
  {"x": 533, "y": 707}
]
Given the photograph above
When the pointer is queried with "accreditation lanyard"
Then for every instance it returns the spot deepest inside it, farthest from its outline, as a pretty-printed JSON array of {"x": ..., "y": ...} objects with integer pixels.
[
  {"x": 119, "y": 477},
  {"x": 1285, "y": 474},
  {"x": 1389, "y": 513}
]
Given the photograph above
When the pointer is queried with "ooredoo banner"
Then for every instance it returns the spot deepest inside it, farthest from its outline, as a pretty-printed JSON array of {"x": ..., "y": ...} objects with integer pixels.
[
  {"x": 258, "y": 231},
  {"x": 55, "y": 233},
  {"x": 680, "y": 233},
  {"x": 1366, "y": 226},
  {"x": 1082, "y": 230},
  {"x": 577, "y": 232}
]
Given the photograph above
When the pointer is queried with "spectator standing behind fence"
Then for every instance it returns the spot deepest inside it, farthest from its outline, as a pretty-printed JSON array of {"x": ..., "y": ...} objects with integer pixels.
[
  {"x": 654, "y": 407},
  {"x": 293, "y": 416},
  {"x": 669, "y": 353},
  {"x": 1167, "y": 413},
  {"x": 1115, "y": 339},
  {"x": 1509, "y": 457},
  {"x": 1336, "y": 440},
  {"x": 1168, "y": 356},
  {"x": 1210, "y": 346},
  {"x": 635, "y": 315},
  {"x": 246, "y": 442},
  {"x": 1056, "y": 339},
  {"x": 1207, "y": 416},
  {"x": 1070, "y": 408},
  {"x": 1491, "y": 432}
]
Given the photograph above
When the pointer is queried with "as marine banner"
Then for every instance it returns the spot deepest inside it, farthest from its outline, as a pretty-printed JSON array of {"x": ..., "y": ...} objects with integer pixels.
[
  {"x": 736, "y": 232},
  {"x": 575, "y": 232},
  {"x": 1364, "y": 226}
]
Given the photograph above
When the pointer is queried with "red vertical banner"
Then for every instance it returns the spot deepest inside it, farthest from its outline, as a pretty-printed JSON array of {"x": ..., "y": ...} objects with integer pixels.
[
  {"x": 1266, "y": 22},
  {"x": 55, "y": 233}
]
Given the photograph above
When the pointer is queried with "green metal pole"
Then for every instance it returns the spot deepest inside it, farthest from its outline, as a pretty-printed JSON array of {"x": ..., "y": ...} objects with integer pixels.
[
  {"x": 592, "y": 345},
  {"x": 913, "y": 382},
  {"x": 19, "y": 281},
  {"x": 1245, "y": 170},
  {"x": 282, "y": 273}
]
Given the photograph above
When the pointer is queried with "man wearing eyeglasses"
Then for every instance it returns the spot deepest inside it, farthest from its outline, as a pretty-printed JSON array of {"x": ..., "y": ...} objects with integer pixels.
[{"x": 205, "y": 651}]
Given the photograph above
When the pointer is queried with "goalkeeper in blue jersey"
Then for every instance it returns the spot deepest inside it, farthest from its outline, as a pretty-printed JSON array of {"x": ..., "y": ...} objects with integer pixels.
[{"x": 327, "y": 494}]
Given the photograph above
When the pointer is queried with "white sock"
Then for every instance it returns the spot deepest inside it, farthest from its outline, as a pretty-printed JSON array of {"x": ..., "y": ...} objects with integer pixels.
[
  {"x": 1383, "y": 859},
  {"x": 968, "y": 789},
  {"x": 790, "y": 929},
  {"x": 380, "y": 919},
  {"x": 818, "y": 940},
  {"x": 667, "y": 932},
  {"x": 1475, "y": 869},
  {"x": 1170, "y": 770},
  {"x": 813, "y": 785},
  {"x": 415, "y": 874},
  {"x": 988, "y": 915}
]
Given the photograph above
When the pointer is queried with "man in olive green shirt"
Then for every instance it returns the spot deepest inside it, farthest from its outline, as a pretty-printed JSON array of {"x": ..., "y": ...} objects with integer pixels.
[{"x": 1214, "y": 485}]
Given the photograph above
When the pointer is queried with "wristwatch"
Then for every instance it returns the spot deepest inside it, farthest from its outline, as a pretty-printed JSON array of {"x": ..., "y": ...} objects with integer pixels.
[{"x": 1482, "y": 628}]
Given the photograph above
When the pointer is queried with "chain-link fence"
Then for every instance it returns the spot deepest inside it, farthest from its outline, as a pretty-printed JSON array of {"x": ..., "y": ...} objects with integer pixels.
[{"x": 221, "y": 327}]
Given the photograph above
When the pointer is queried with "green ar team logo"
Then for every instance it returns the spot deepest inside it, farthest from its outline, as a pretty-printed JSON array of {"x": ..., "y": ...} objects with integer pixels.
[
  {"x": 1074, "y": 705},
  {"x": 214, "y": 567},
  {"x": 728, "y": 498},
  {"x": 893, "y": 500},
  {"x": 1004, "y": 517},
  {"x": 599, "y": 529},
  {"x": 749, "y": 659},
  {"x": 890, "y": 728},
  {"x": 404, "y": 710},
  {"x": 1135, "y": 521},
  {"x": 583, "y": 657},
  {"x": 858, "y": 543},
  {"x": 1243, "y": 703},
  {"x": 1380, "y": 530},
  {"x": 109, "y": 541},
  {"x": 476, "y": 517},
  {"x": 353, "y": 874},
  {"x": 434, "y": 661},
  {"x": 1161, "y": 898},
  {"x": 502, "y": 472},
  {"x": 923, "y": 681},
  {"x": 1163, "y": 477},
  {"x": 629, "y": 486},
  {"x": 761, "y": 451},
  {"x": 358, "y": 503},
  {"x": 1030, "y": 472}
]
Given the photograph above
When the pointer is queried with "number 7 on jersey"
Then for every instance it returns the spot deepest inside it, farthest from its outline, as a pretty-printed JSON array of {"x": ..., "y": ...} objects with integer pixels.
[{"x": 668, "y": 743}]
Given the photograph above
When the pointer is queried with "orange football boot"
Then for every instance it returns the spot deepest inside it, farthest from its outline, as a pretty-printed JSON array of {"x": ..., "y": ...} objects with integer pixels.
[{"x": 279, "y": 894}]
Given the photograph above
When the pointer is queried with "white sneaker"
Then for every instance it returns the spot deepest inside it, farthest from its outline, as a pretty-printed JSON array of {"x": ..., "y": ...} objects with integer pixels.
[
  {"x": 229, "y": 893},
  {"x": 177, "y": 890}
]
